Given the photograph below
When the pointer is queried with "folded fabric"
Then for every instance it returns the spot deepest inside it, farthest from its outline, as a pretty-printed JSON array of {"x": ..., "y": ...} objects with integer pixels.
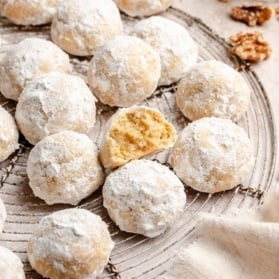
[{"x": 242, "y": 245}]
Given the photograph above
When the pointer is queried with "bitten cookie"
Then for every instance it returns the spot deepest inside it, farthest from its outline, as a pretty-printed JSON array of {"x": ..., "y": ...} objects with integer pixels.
[
  {"x": 212, "y": 155},
  {"x": 81, "y": 26},
  {"x": 10, "y": 265},
  {"x": 8, "y": 134},
  {"x": 133, "y": 133},
  {"x": 29, "y": 12},
  {"x": 27, "y": 60},
  {"x": 144, "y": 197},
  {"x": 124, "y": 71},
  {"x": 143, "y": 7},
  {"x": 212, "y": 88},
  {"x": 55, "y": 102},
  {"x": 71, "y": 243},
  {"x": 64, "y": 168},
  {"x": 178, "y": 51}
]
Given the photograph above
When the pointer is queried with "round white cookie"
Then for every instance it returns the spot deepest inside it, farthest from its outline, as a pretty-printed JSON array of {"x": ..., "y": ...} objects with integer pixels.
[
  {"x": 27, "y": 60},
  {"x": 81, "y": 26},
  {"x": 144, "y": 197},
  {"x": 8, "y": 134},
  {"x": 212, "y": 88},
  {"x": 10, "y": 265},
  {"x": 55, "y": 102},
  {"x": 29, "y": 12},
  {"x": 3, "y": 217},
  {"x": 143, "y": 7},
  {"x": 64, "y": 168},
  {"x": 212, "y": 155},
  {"x": 178, "y": 51},
  {"x": 124, "y": 71},
  {"x": 134, "y": 132},
  {"x": 71, "y": 243}
]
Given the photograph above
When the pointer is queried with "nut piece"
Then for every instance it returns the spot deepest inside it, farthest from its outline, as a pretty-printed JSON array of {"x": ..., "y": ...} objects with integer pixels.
[
  {"x": 250, "y": 46},
  {"x": 252, "y": 14}
]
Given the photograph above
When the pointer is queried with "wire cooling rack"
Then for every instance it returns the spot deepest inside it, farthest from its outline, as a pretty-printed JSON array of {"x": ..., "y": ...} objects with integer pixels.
[{"x": 135, "y": 256}]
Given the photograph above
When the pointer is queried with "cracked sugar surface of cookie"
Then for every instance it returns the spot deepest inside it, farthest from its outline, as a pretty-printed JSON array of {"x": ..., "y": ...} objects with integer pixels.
[
  {"x": 178, "y": 51},
  {"x": 29, "y": 12},
  {"x": 212, "y": 88},
  {"x": 133, "y": 133},
  {"x": 124, "y": 71},
  {"x": 71, "y": 243},
  {"x": 212, "y": 155},
  {"x": 64, "y": 168},
  {"x": 144, "y": 197},
  {"x": 10, "y": 265},
  {"x": 8, "y": 134},
  {"x": 27, "y": 60},
  {"x": 143, "y": 7},
  {"x": 81, "y": 26},
  {"x": 55, "y": 102}
]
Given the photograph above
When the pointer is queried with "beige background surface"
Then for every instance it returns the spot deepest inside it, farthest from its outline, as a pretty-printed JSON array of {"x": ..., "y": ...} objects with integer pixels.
[
  {"x": 133, "y": 254},
  {"x": 216, "y": 15}
]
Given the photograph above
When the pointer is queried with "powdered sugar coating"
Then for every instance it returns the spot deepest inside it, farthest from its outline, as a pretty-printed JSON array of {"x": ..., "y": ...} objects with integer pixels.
[
  {"x": 8, "y": 134},
  {"x": 10, "y": 265},
  {"x": 3, "y": 217},
  {"x": 124, "y": 71},
  {"x": 29, "y": 12},
  {"x": 143, "y": 7},
  {"x": 81, "y": 26},
  {"x": 144, "y": 197},
  {"x": 64, "y": 168},
  {"x": 55, "y": 102},
  {"x": 212, "y": 88},
  {"x": 27, "y": 60},
  {"x": 178, "y": 51},
  {"x": 212, "y": 155},
  {"x": 71, "y": 243}
]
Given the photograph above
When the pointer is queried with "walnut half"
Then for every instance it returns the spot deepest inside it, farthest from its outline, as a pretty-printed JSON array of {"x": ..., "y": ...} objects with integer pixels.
[
  {"x": 250, "y": 46},
  {"x": 252, "y": 14}
]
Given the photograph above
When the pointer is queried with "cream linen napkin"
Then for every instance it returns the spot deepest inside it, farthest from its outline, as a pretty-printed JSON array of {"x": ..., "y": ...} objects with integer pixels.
[{"x": 242, "y": 245}]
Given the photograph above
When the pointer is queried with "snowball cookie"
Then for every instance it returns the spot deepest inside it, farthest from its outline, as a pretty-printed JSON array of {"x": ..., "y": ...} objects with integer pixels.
[
  {"x": 29, "y": 12},
  {"x": 55, "y": 102},
  {"x": 10, "y": 265},
  {"x": 143, "y": 7},
  {"x": 134, "y": 132},
  {"x": 28, "y": 59},
  {"x": 71, "y": 243},
  {"x": 144, "y": 197},
  {"x": 212, "y": 88},
  {"x": 3, "y": 217},
  {"x": 178, "y": 51},
  {"x": 81, "y": 26},
  {"x": 8, "y": 134},
  {"x": 124, "y": 71},
  {"x": 212, "y": 155},
  {"x": 64, "y": 168}
]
